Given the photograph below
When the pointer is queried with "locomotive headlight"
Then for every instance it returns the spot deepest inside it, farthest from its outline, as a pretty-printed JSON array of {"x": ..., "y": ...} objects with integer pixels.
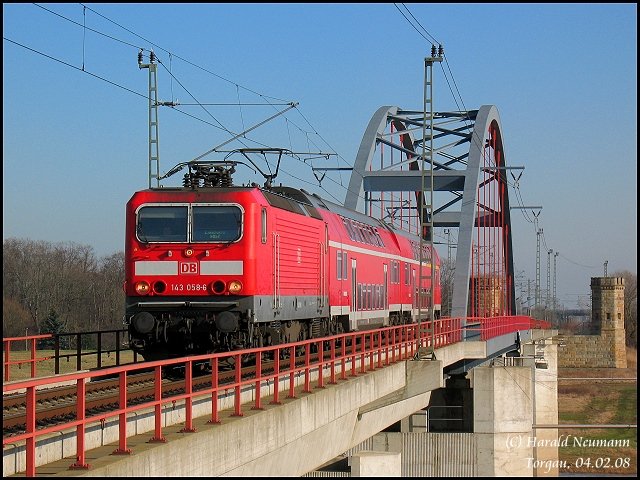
[
  {"x": 217, "y": 287},
  {"x": 234, "y": 287},
  {"x": 142, "y": 288},
  {"x": 188, "y": 252}
]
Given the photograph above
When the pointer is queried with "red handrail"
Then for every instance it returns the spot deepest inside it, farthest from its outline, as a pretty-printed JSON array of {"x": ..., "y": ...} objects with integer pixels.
[
  {"x": 31, "y": 340},
  {"x": 397, "y": 343}
]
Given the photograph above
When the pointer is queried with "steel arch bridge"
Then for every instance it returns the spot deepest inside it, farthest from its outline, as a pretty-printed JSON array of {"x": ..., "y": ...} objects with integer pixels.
[{"x": 470, "y": 194}]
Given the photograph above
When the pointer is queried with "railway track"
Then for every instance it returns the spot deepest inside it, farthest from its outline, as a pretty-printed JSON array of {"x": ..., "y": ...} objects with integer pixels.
[{"x": 57, "y": 405}]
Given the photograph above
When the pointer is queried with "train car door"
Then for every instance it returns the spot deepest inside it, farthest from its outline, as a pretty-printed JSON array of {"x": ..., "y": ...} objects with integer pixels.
[
  {"x": 414, "y": 292},
  {"x": 276, "y": 272},
  {"x": 385, "y": 293},
  {"x": 354, "y": 296}
]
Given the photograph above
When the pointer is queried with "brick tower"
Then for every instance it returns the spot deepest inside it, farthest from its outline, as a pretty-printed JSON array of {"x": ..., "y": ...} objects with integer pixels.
[{"x": 607, "y": 313}]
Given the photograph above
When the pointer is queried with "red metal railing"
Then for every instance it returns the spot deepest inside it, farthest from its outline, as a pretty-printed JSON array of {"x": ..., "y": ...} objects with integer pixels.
[
  {"x": 351, "y": 354},
  {"x": 29, "y": 341},
  {"x": 106, "y": 342},
  {"x": 496, "y": 326}
]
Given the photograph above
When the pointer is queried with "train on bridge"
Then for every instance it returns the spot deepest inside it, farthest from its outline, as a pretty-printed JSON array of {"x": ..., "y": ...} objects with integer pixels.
[{"x": 215, "y": 267}]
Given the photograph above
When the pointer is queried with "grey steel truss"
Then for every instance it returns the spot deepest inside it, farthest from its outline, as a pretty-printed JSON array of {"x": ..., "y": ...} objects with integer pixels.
[{"x": 462, "y": 177}]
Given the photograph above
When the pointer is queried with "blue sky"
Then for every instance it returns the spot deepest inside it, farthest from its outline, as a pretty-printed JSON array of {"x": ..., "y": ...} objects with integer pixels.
[{"x": 563, "y": 77}]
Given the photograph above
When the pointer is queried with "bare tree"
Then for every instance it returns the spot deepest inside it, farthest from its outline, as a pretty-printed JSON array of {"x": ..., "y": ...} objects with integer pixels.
[
  {"x": 24, "y": 276},
  {"x": 16, "y": 320},
  {"x": 39, "y": 277},
  {"x": 446, "y": 283}
]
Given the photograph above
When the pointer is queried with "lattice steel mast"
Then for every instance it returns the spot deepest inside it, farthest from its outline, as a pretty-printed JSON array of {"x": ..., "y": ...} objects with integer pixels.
[
  {"x": 426, "y": 208},
  {"x": 154, "y": 152}
]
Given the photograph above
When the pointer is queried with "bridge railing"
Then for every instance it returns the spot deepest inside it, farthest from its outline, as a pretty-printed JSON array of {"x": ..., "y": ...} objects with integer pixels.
[
  {"x": 86, "y": 348},
  {"x": 31, "y": 344},
  {"x": 335, "y": 357},
  {"x": 496, "y": 326},
  {"x": 102, "y": 342}
]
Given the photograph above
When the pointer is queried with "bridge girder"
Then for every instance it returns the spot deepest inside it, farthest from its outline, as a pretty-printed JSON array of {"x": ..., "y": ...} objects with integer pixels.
[{"x": 469, "y": 165}]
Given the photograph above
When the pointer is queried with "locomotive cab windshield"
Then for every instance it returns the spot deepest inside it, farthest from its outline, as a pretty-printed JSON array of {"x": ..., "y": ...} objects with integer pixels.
[{"x": 189, "y": 223}]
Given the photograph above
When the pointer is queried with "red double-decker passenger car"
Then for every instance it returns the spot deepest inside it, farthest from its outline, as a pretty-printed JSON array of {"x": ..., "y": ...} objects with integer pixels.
[{"x": 215, "y": 267}]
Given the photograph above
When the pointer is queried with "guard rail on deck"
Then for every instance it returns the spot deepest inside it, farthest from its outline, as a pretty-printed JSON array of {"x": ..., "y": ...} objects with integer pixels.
[
  {"x": 33, "y": 360},
  {"x": 32, "y": 342},
  {"x": 496, "y": 326},
  {"x": 387, "y": 345}
]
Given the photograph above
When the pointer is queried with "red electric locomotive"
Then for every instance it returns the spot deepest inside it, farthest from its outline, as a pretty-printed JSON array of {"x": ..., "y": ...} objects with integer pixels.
[{"x": 215, "y": 267}]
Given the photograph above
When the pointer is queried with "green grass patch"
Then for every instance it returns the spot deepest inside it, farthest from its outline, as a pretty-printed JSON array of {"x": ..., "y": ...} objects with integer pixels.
[
  {"x": 613, "y": 449},
  {"x": 67, "y": 362}
]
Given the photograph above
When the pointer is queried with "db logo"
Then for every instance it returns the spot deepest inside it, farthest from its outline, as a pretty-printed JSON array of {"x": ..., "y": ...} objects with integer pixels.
[{"x": 188, "y": 268}]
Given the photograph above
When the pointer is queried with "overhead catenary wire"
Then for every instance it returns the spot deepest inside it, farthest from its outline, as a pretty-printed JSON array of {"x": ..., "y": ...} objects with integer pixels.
[
  {"x": 477, "y": 140},
  {"x": 339, "y": 157},
  {"x": 184, "y": 59},
  {"x": 74, "y": 67},
  {"x": 227, "y": 80},
  {"x": 171, "y": 55},
  {"x": 124, "y": 88},
  {"x": 433, "y": 39},
  {"x": 88, "y": 28},
  {"x": 219, "y": 125},
  {"x": 145, "y": 97}
]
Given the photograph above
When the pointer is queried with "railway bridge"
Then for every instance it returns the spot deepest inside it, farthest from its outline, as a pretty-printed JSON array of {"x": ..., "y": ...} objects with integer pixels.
[{"x": 482, "y": 377}]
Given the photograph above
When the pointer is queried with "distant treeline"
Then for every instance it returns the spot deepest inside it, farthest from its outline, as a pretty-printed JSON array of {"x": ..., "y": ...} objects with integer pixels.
[
  {"x": 64, "y": 287},
  {"x": 59, "y": 287}
]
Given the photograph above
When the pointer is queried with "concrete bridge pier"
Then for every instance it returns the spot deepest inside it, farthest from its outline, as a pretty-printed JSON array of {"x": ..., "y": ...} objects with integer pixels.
[
  {"x": 376, "y": 464},
  {"x": 508, "y": 402},
  {"x": 451, "y": 408},
  {"x": 545, "y": 407},
  {"x": 503, "y": 417}
]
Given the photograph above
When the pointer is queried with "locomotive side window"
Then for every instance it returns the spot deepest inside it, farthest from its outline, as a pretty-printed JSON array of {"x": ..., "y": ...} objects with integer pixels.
[
  {"x": 263, "y": 235},
  {"x": 216, "y": 224},
  {"x": 162, "y": 224}
]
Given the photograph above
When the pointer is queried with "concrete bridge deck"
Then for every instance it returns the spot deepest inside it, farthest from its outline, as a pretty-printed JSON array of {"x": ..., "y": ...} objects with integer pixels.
[{"x": 290, "y": 439}]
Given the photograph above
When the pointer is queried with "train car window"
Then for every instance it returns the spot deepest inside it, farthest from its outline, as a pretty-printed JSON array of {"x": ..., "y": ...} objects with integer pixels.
[
  {"x": 284, "y": 203},
  {"x": 220, "y": 223},
  {"x": 349, "y": 228},
  {"x": 162, "y": 224},
  {"x": 344, "y": 265},
  {"x": 371, "y": 237},
  {"x": 312, "y": 211},
  {"x": 264, "y": 226},
  {"x": 326, "y": 238},
  {"x": 359, "y": 232},
  {"x": 379, "y": 240},
  {"x": 339, "y": 268}
]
